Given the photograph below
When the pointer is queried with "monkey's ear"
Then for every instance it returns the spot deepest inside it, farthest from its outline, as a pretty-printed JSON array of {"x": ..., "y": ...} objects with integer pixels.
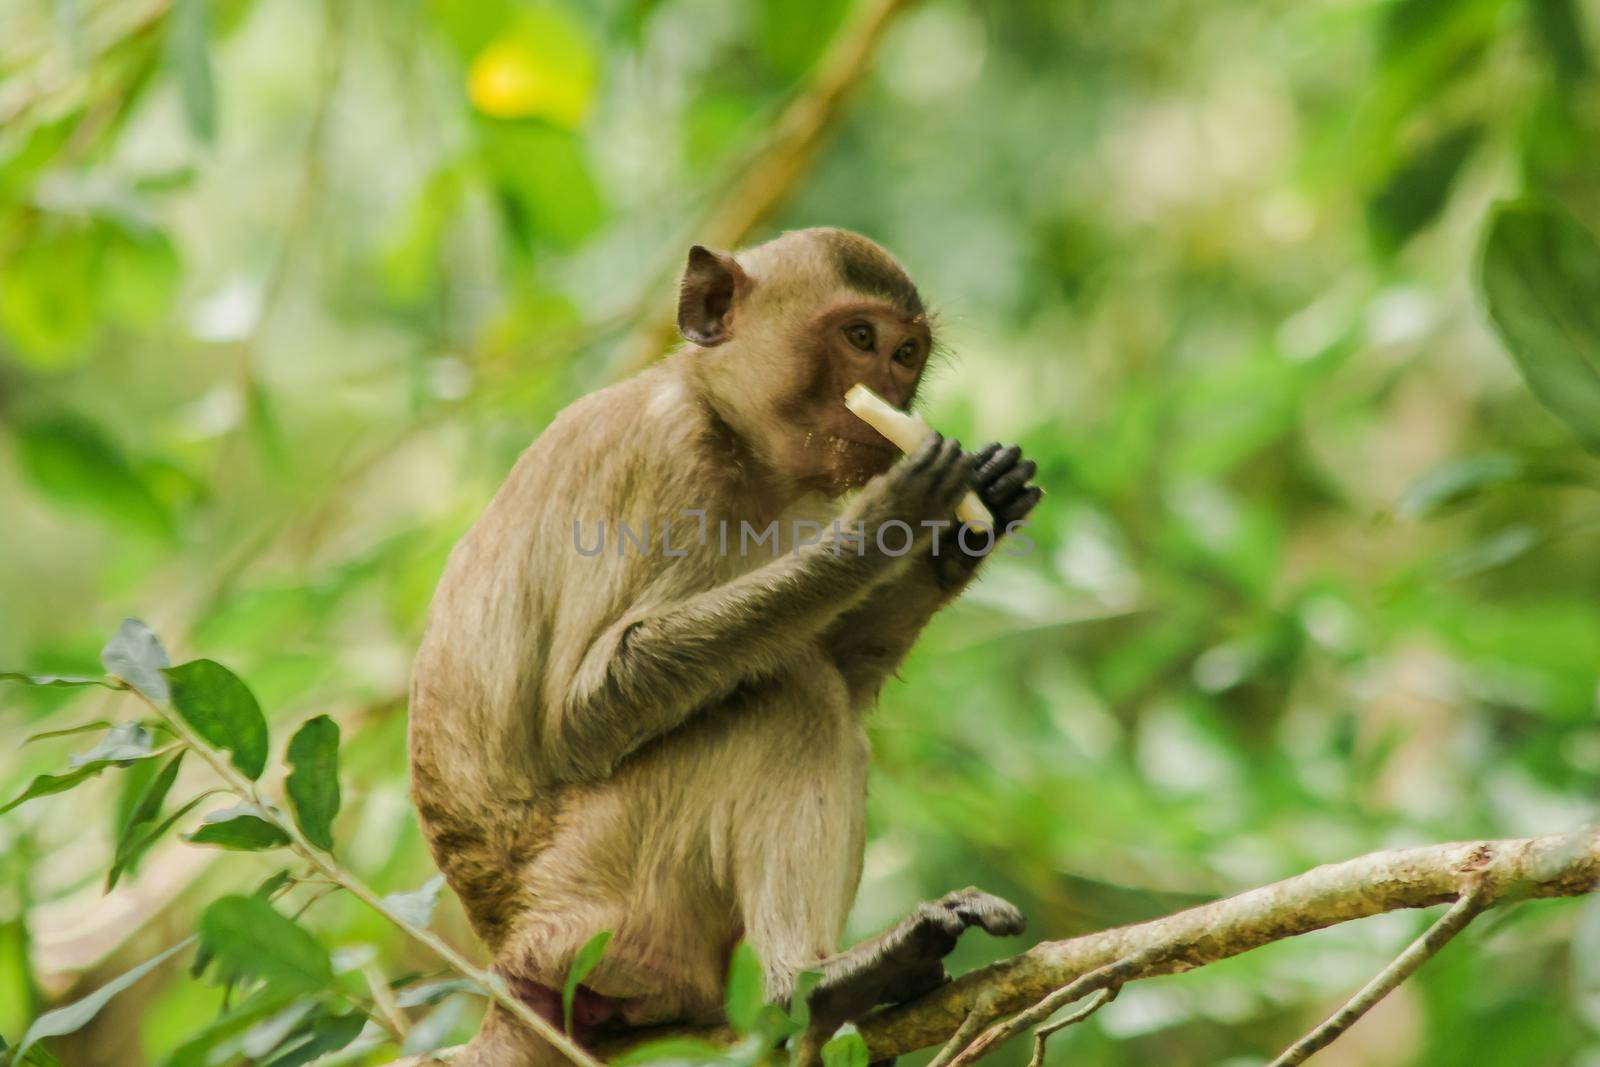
[{"x": 712, "y": 282}]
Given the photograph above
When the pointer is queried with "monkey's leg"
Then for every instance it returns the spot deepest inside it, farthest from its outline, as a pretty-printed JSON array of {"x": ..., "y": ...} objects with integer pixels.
[{"x": 908, "y": 960}]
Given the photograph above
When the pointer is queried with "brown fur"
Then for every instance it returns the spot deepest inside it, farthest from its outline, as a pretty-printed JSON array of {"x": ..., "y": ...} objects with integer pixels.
[{"x": 672, "y": 748}]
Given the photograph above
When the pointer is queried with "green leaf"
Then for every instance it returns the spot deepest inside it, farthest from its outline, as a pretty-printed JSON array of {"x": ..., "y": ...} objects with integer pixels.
[
  {"x": 222, "y": 710},
  {"x": 416, "y": 907},
  {"x": 1416, "y": 191},
  {"x": 1560, "y": 28},
  {"x": 217, "y": 1040},
  {"x": 329, "y": 1033},
  {"x": 1506, "y": 545},
  {"x": 433, "y": 992},
  {"x": 75, "y": 1015},
  {"x": 1455, "y": 481},
  {"x": 119, "y": 747},
  {"x": 584, "y": 962},
  {"x": 847, "y": 1049},
  {"x": 238, "y": 828},
  {"x": 203, "y": 955},
  {"x": 130, "y": 789},
  {"x": 250, "y": 936},
  {"x": 674, "y": 1050},
  {"x": 75, "y": 463},
  {"x": 272, "y": 884},
  {"x": 800, "y": 999},
  {"x": 141, "y": 273},
  {"x": 135, "y": 655},
  {"x": 547, "y": 191},
  {"x": 433, "y": 1029},
  {"x": 81, "y": 728},
  {"x": 745, "y": 994},
  {"x": 268, "y": 1034},
  {"x": 792, "y": 35},
  {"x": 1540, "y": 280},
  {"x": 313, "y": 784},
  {"x": 190, "y": 53},
  {"x": 142, "y": 844},
  {"x": 45, "y": 785},
  {"x": 37, "y": 1056},
  {"x": 46, "y": 311},
  {"x": 131, "y": 837},
  {"x": 62, "y": 681}
]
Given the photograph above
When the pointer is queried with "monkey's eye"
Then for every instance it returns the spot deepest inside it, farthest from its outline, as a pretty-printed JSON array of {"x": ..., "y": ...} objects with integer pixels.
[
  {"x": 860, "y": 335},
  {"x": 906, "y": 354}
]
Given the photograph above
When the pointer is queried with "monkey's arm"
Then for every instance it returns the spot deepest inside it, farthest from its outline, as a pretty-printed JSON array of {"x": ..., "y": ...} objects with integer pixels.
[
  {"x": 870, "y": 641},
  {"x": 653, "y": 668}
]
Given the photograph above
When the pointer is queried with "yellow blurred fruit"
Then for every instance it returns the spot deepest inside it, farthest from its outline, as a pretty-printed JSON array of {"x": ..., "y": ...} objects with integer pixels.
[{"x": 542, "y": 66}]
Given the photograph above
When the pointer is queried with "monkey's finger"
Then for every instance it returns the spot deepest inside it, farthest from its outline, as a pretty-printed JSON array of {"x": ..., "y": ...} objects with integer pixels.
[
  {"x": 998, "y": 917},
  {"x": 927, "y": 452},
  {"x": 1014, "y": 479},
  {"x": 984, "y": 454},
  {"x": 998, "y": 464},
  {"x": 949, "y": 454},
  {"x": 956, "y": 478},
  {"x": 1019, "y": 506}
]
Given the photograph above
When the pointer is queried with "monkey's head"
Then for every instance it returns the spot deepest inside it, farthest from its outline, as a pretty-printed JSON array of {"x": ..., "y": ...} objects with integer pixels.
[{"x": 781, "y": 331}]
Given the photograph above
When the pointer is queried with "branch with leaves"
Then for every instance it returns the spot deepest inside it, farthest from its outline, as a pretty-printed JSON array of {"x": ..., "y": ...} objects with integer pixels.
[
  {"x": 296, "y": 1005},
  {"x": 295, "y": 1002}
]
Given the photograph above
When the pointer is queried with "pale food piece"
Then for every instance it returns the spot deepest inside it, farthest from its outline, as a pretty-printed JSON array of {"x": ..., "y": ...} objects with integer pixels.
[{"x": 907, "y": 431}]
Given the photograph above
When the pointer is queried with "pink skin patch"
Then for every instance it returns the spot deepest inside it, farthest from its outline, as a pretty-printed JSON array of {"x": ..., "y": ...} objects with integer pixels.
[{"x": 590, "y": 1010}]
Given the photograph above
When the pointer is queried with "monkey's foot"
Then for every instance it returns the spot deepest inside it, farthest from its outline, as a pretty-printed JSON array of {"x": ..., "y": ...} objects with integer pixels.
[{"x": 908, "y": 960}]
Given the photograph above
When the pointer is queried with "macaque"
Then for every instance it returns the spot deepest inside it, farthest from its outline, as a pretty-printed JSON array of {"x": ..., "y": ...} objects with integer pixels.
[{"x": 663, "y": 737}]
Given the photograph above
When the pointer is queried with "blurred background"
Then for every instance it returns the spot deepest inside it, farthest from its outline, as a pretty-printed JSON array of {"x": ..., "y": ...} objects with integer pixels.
[{"x": 285, "y": 285}]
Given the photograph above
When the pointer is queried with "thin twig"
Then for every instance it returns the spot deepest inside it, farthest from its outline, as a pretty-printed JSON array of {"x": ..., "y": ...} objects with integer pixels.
[
  {"x": 305, "y": 905},
  {"x": 1110, "y": 976},
  {"x": 328, "y": 868},
  {"x": 1042, "y": 1034},
  {"x": 1466, "y": 908},
  {"x": 976, "y": 1020},
  {"x": 383, "y": 1000}
]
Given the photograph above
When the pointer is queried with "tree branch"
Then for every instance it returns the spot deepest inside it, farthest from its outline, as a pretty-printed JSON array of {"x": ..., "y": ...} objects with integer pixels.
[
  {"x": 1106, "y": 980},
  {"x": 1484, "y": 872},
  {"x": 1555, "y": 866},
  {"x": 1042, "y": 1034},
  {"x": 1466, "y": 908}
]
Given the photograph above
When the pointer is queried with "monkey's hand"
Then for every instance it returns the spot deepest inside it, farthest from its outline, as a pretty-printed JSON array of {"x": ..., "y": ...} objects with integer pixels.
[
  {"x": 1001, "y": 478},
  {"x": 908, "y": 960},
  {"x": 920, "y": 489}
]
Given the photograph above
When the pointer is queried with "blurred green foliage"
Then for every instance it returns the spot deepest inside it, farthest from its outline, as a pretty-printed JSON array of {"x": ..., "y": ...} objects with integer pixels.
[{"x": 286, "y": 284}]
